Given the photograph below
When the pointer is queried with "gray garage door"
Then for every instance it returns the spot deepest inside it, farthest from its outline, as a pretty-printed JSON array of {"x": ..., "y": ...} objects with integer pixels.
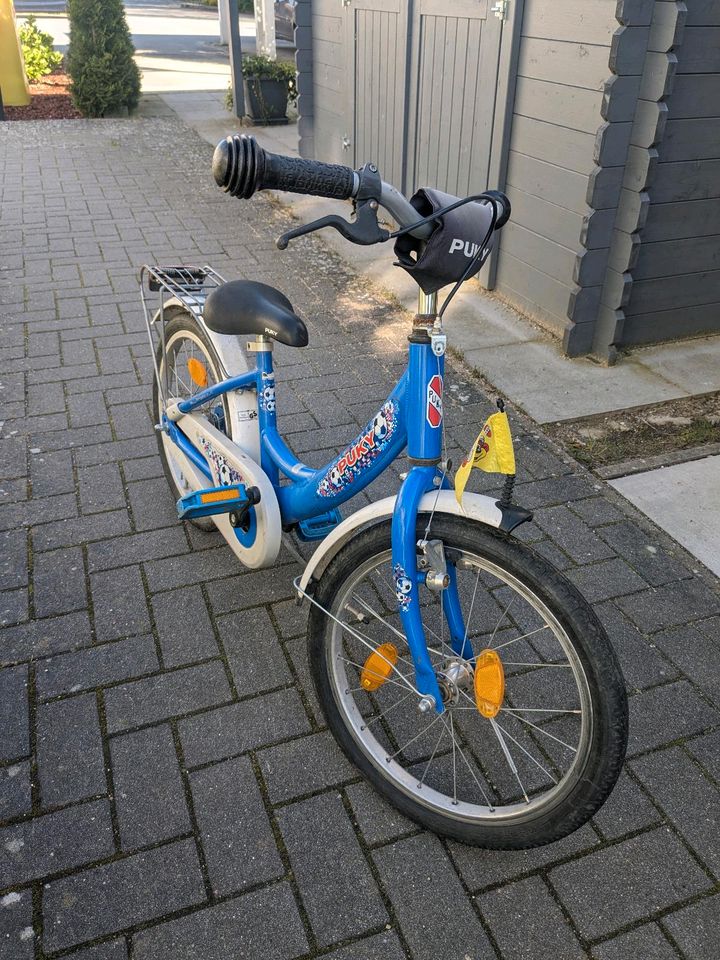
[{"x": 421, "y": 90}]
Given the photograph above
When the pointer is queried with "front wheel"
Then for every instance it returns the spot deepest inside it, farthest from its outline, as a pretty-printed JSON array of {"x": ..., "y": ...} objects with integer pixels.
[{"x": 534, "y": 730}]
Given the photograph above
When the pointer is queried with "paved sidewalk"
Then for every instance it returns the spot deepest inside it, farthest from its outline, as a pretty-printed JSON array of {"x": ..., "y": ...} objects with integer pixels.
[{"x": 167, "y": 788}]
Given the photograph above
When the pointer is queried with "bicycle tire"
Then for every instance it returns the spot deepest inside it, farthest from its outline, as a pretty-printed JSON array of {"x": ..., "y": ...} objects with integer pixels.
[{"x": 589, "y": 781}]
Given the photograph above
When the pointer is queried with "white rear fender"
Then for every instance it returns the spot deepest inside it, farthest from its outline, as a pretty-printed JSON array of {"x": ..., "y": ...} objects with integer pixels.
[{"x": 475, "y": 506}]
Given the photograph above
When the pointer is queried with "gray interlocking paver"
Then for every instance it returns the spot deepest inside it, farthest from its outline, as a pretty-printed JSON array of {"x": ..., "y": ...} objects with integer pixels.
[
  {"x": 690, "y": 801},
  {"x": 59, "y": 582},
  {"x": 166, "y": 695},
  {"x": 696, "y": 929},
  {"x": 425, "y": 891},
  {"x": 17, "y": 941},
  {"x": 256, "y": 659},
  {"x": 645, "y": 942},
  {"x": 337, "y": 887},
  {"x": 648, "y": 873},
  {"x": 235, "y": 832},
  {"x": 76, "y": 379},
  {"x": 149, "y": 793},
  {"x": 112, "y": 897},
  {"x": 184, "y": 627},
  {"x": 265, "y": 923},
  {"x": 111, "y": 950},
  {"x": 101, "y": 488},
  {"x": 41, "y": 638},
  {"x": 665, "y": 714},
  {"x": 527, "y": 923},
  {"x": 243, "y": 726},
  {"x": 120, "y": 603},
  {"x": 69, "y": 751},
  {"x": 14, "y": 721},
  {"x": 15, "y": 790},
  {"x": 55, "y": 841},
  {"x": 304, "y": 766},
  {"x": 138, "y": 548}
]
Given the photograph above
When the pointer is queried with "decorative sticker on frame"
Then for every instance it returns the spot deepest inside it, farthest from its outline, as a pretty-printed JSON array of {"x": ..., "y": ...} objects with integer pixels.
[
  {"x": 223, "y": 473},
  {"x": 364, "y": 449}
]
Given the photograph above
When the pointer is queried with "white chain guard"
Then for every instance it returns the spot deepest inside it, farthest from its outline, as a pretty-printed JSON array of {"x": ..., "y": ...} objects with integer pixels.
[{"x": 230, "y": 464}]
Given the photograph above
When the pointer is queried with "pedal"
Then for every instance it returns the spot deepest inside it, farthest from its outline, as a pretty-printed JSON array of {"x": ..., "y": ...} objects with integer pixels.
[
  {"x": 205, "y": 503},
  {"x": 317, "y": 528}
]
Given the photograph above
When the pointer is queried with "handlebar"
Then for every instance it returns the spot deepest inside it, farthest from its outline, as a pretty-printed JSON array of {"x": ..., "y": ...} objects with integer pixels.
[{"x": 241, "y": 167}]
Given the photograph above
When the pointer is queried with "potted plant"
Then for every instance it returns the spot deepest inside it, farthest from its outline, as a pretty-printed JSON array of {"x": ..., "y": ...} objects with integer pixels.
[{"x": 269, "y": 86}]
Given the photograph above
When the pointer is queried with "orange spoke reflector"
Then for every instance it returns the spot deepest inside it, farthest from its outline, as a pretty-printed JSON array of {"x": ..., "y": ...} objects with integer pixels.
[
  {"x": 197, "y": 371},
  {"x": 489, "y": 683},
  {"x": 378, "y": 666}
]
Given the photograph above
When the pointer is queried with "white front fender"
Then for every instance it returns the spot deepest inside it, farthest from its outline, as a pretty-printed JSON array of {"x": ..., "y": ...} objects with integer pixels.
[{"x": 475, "y": 506}]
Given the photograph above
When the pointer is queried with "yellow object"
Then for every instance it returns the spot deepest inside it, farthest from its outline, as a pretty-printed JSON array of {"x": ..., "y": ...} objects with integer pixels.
[
  {"x": 215, "y": 496},
  {"x": 378, "y": 666},
  {"x": 492, "y": 452},
  {"x": 13, "y": 82},
  {"x": 489, "y": 683},
  {"x": 197, "y": 371}
]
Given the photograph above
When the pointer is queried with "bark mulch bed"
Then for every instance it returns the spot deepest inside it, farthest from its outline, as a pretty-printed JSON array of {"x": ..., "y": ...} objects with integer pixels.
[{"x": 50, "y": 101}]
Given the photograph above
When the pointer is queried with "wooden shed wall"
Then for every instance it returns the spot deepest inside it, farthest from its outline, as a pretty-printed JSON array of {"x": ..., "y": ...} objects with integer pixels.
[
  {"x": 555, "y": 144},
  {"x": 676, "y": 278}
]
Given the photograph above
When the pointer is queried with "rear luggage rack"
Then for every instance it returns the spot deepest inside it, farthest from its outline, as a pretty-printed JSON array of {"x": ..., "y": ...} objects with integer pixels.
[{"x": 188, "y": 285}]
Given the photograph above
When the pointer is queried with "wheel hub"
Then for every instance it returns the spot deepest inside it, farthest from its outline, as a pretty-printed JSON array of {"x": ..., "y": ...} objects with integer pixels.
[{"x": 454, "y": 676}]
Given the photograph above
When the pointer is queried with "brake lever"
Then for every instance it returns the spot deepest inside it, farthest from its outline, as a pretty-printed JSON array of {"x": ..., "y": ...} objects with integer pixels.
[{"x": 364, "y": 230}]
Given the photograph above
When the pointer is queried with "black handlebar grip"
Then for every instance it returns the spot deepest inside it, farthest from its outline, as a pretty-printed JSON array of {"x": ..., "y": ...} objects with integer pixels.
[{"x": 240, "y": 166}]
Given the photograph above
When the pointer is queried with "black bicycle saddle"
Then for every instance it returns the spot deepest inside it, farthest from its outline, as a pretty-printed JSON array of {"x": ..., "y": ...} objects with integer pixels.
[{"x": 256, "y": 309}]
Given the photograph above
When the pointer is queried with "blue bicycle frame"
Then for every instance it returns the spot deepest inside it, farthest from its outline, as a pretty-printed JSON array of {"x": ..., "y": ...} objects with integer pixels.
[{"x": 410, "y": 417}]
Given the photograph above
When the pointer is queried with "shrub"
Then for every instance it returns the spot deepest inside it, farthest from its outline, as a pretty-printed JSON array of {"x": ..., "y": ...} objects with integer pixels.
[
  {"x": 37, "y": 50},
  {"x": 105, "y": 78},
  {"x": 263, "y": 67}
]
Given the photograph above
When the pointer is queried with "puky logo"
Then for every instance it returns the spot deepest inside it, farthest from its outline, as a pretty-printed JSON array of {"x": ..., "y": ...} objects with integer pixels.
[
  {"x": 468, "y": 248},
  {"x": 434, "y": 401}
]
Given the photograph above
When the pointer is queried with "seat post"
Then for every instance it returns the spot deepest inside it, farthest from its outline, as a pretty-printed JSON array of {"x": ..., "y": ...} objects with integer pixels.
[{"x": 427, "y": 305}]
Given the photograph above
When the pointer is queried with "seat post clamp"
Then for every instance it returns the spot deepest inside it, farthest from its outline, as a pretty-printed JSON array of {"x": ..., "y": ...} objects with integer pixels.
[{"x": 261, "y": 344}]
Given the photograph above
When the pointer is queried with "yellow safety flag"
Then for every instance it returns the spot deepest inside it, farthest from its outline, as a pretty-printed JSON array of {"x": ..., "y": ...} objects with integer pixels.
[{"x": 492, "y": 452}]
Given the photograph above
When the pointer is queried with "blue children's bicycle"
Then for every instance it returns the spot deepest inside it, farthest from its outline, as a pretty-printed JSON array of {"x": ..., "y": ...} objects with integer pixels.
[{"x": 465, "y": 677}]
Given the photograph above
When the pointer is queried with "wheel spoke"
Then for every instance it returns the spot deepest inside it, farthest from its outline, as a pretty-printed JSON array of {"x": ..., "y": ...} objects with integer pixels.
[
  {"x": 526, "y": 752},
  {"x": 378, "y": 716},
  {"x": 508, "y": 757},
  {"x": 561, "y": 666},
  {"x": 523, "y": 637},
  {"x": 432, "y": 756},
  {"x": 539, "y": 729},
  {"x": 502, "y": 617},
  {"x": 485, "y": 797},
  {"x": 469, "y": 616},
  {"x": 416, "y": 737},
  {"x": 454, "y": 762}
]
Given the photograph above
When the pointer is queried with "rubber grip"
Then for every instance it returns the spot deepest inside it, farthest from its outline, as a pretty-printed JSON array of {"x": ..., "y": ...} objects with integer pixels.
[
  {"x": 241, "y": 166},
  {"x": 308, "y": 176}
]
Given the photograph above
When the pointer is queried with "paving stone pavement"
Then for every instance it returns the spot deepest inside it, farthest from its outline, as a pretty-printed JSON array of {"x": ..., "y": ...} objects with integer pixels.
[{"x": 167, "y": 787}]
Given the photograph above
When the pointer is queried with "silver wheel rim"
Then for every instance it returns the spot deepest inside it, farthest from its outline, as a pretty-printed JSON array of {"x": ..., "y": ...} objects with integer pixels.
[
  {"x": 477, "y": 791},
  {"x": 181, "y": 387}
]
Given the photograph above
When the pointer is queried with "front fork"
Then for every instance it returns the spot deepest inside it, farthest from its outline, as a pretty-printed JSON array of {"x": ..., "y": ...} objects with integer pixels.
[{"x": 424, "y": 427}]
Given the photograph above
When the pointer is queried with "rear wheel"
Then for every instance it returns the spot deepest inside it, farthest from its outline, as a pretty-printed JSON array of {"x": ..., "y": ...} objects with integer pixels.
[
  {"x": 534, "y": 730},
  {"x": 189, "y": 365}
]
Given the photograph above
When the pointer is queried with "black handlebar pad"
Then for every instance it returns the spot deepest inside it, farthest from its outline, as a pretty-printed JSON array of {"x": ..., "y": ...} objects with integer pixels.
[{"x": 240, "y": 166}]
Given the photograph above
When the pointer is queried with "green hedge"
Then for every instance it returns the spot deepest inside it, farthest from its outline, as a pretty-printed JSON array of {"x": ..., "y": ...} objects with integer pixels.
[{"x": 105, "y": 77}]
